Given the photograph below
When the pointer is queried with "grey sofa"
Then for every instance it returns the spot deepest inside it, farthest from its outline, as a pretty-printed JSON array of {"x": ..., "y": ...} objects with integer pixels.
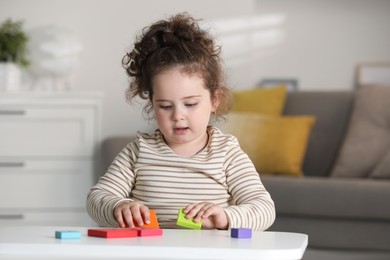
[{"x": 344, "y": 218}]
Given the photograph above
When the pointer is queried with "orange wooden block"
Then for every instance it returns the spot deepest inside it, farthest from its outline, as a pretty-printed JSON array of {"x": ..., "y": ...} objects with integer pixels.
[
  {"x": 153, "y": 221},
  {"x": 113, "y": 232}
]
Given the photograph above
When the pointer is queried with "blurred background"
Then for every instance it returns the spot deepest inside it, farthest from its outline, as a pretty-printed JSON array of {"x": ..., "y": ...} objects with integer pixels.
[
  {"x": 316, "y": 43},
  {"x": 71, "y": 98}
]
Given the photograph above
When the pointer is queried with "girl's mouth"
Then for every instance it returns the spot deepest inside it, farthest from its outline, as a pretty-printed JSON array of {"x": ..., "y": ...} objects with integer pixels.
[{"x": 180, "y": 130}]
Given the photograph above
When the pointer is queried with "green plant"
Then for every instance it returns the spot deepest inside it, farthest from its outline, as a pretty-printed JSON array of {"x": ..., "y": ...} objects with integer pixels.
[{"x": 13, "y": 43}]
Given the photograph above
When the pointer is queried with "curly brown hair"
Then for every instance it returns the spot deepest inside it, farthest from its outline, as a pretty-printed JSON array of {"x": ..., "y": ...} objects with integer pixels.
[{"x": 175, "y": 42}]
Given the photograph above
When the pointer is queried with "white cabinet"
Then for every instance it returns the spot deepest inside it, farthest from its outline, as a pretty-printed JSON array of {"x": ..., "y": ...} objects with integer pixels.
[{"x": 49, "y": 147}]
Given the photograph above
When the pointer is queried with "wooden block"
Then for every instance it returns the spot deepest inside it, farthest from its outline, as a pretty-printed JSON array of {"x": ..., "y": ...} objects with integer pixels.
[
  {"x": 182, "y": 221},
  {"x": 68, "y": 234},
  {"x": 113, "y": 232},
  {"x": 148, "y": 232},
  {"x": 153, "y": 221},
  {"x": 241, "y": 232}
]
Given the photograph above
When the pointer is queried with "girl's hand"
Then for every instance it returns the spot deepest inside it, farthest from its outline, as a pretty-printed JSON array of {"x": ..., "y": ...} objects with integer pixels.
[
  {"x": 212, "y": 215},
  {"x": 131, "y": 214}
]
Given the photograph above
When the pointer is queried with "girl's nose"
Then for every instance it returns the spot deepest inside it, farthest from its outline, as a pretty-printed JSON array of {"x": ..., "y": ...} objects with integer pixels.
[{"x": 177, "y": 114}]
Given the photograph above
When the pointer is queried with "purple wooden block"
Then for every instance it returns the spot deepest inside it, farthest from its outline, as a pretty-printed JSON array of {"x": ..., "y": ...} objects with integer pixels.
[{"x": 241, "y": 232}]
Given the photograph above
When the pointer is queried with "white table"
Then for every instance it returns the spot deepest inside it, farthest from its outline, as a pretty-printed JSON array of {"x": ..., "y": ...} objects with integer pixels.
[{"x": 40, "y": 243}]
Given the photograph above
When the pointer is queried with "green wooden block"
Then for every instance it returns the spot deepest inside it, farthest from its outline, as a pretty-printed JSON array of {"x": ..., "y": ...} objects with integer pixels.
[{"x": 187, "y": 223}]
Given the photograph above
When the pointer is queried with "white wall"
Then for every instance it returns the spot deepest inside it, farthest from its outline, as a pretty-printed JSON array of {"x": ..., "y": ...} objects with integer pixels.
[{"x": 317, "y": 42}]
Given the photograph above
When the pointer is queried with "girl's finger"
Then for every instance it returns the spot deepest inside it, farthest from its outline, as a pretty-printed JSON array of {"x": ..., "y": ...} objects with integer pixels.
[
  {"x": 201, "y": 213},
  {"x": 136, "y": 216},
  {"x": 194, "y": 210},
  {"x": 188, "y": 208},
  {"x": 119, "y": 219},
  {"x": 145, "y": 214},
  {"x": 128, "y": 218}
]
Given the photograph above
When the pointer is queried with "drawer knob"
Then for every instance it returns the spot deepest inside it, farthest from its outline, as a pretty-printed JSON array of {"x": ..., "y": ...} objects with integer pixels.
[
  {"x": 11, "y": 216},
  {"x": 12, "y": 112},
  {"x": 12, "y": 164}
]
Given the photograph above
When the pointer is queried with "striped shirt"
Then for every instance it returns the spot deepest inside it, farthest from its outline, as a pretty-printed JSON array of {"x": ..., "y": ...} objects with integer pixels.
[{"x": 147, "y": 170}]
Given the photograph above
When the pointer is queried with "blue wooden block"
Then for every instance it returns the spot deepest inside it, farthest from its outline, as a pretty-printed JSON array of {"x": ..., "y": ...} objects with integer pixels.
[
  {"x": 241, "y": 232},
  {"x": 68, "y": 234}
]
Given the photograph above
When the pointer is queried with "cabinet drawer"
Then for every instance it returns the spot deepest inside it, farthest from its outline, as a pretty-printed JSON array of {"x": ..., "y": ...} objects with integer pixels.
[
  {"x": 54, "y": 131},
  {"x": 44, "y": 184},
  {"x": 45, "y": 218}
]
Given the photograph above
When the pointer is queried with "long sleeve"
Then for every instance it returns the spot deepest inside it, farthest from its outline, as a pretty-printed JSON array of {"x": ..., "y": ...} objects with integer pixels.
[
  {"x": 114, "y": 187},
  {"x": 148, "y": 171},
  {"x": 254, "y": 207}
]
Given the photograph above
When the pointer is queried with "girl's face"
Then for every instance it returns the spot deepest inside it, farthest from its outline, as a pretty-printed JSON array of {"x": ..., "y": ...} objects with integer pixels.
[{"x": 182, "y": 106}]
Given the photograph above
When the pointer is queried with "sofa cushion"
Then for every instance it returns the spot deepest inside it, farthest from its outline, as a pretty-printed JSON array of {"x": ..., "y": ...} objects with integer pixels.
[
  {"x": 332, "y": 111},
  {"x": 382, "y": 170},
  {"x": 368, "y": 137},
  {"x": 275, "y": 144},
  {"x": 265, "y": 101}
]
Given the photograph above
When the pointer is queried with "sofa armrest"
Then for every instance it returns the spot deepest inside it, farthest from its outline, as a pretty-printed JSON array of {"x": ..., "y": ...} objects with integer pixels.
[{"x": 111, "y": 147}]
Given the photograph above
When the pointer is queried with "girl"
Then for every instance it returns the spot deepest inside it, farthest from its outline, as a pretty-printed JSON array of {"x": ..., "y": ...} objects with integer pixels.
[{"x": 185, "y": 163}]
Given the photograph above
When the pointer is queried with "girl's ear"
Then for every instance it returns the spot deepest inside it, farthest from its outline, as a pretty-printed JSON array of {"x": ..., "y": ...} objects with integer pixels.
[{"x": 216, "y": 100}]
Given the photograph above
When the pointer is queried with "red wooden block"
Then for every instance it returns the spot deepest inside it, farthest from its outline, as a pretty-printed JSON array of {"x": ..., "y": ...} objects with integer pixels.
[
  {"x": 113, "y": 232},
  {"x": 150, "y": 232}
]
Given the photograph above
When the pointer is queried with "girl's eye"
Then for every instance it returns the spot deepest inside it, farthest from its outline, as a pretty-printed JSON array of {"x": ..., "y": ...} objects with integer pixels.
[
  {"x": 191, "y": 104},
  {"x": 165, "y": 107}
]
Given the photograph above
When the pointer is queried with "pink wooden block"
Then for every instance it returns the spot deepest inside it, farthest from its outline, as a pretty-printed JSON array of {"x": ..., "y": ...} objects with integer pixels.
[{"x": 150, "y": 232}]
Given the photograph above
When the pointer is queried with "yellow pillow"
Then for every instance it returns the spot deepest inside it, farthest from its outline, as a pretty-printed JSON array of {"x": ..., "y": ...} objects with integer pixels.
[
  {"x": 265, "y": 101},
  {"x": 275, "y": 144}
]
